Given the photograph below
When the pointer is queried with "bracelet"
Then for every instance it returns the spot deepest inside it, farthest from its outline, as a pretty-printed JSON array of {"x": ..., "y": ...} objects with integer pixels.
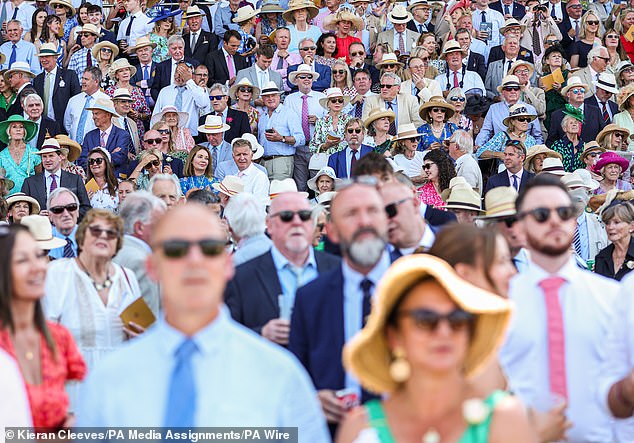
[{"x": 618, "y": 392}]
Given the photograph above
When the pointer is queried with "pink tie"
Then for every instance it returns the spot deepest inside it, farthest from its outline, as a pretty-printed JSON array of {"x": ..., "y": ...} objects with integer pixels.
[
  {"x": 556, "y": 338},
  {"x": 232, "y": 69},
  {"x": 455, "y": 80},
  {"x": 305, "y": 125},
  {"x": 102, "y": 139},
  {"x": 53, "y": 182}
]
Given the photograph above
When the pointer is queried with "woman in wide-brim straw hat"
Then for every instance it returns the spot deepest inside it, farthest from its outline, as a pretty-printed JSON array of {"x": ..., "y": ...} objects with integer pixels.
[
  {"x": 344, "y": 23},
  {"x": 19, "y": 158},
  {"x": 406, "y": 153},
  {"x": 70, "y": 151},
  {"x": 377, "y": 125},
  {"x": 420, "y": 305},
  {"x": 329, "y": 129},
  {"x": 535, "y": 157},
  {"x": 121, "y": 71},
  {"x": 244, "y": 93},
  {"x": 65, "y": 10},
  {"x": 437, "y": 128},
  {"x": 298, "y": 14},
  {"x": 625, "y": 118},
  {"x": 613, "y": 138},
  {"x": 270, "y": 19}
]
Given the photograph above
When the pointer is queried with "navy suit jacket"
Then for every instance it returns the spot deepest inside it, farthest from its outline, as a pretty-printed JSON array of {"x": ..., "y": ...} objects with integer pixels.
[
  {"x": 322, "y": 83},
  {"x": 502, "y": 179},
  {"x": 337, "y": 161},
  {"x": 252, "y": 293},
  {"x": 437, "y": 218},
  {"x": 138, "y": 75},
  {"x": 163, "y": 75},
  {"x": 564, "y": 27},
  {"x": 238, "y": 125},
  {"x": 497, "y": 54},
  {"x": 35, "y": 186},
  {"x": 477, "y": 64},
  {"x": 519, "y": 11},
  {"x": 118, "y": 138},
  {"x": 205, "y": 43},
  {"x": 66, "y": 86},
  {"x": 374, "y": 73},
  {"x": 592, "y": 102},
  {"x": 592, "y": 124},
  {"x": 53, "y": 127},
  {"x": 218, "y": 69}
]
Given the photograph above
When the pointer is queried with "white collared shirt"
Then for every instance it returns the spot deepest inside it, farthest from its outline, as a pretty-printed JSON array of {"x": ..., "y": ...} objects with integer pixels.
[
  {"x": 53, "y": 74},
  {"x": 49, "y": 180},
  {"x": 518, "y": 174},
  {"x": 140, "y": 26},
  {"x": 262, "y": 76},
  {"x": 255, "y": 181},
  {"x": 426, "y": 241}
]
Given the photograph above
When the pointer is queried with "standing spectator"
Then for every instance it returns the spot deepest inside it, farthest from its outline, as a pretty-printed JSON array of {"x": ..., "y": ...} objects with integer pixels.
[
  {"x": 165, "y": 74},
  {"x": 121, "y": 71},
  {"x": 307, "y": 50},
  {"x": 163, "y": 28},
  {"x": 237, "y": 121},
  {"x": 122, "y": 101},
  {"x": 15, "y": 49},
  {"x": 497, "y": 70},
  {"x": 597, "y": 62},
  {"x": 81, "y": 57},
  {"x": 62, "y": 208},
  {"x": 271, "y": 21},
  {"x": 70, "y": 151},
  {"x": 570, "y": 25},
  {"x": 100, "y": 170},
  {"x": 135, "y": 25},
  {"x": 344, "y": 24},
  {"x": 589, "y": 36},
  {"x": 223, "y": 22},
  {"x": 437, "y": 113},
  {"x": 19, "y": 158},
  {"x": 612, "y": 261},
  {"x": 198, "y": 43},
  {"x": 282, "y": 59},
  {"x": 461, "y": 150},
  {"x": 511, "y": 28},
  {"x": 605, "y": 86},
  {"x": 298, "y": 15},
  {"x": 214, "y": 130},
  {"x": 105, "y": 54},
  {"x": 457, "y": 74},
  {"x": 230, "y": 167},
  {"x": 225, "y": 63},
  {"x": 535, "y": 156},
  {"x": 78, "y": 120},
  {"x": 509, "y": 8},
  {"x": 489, "y": 33},
  {"x": 145, "y": 70},
  {"x": 33, "y": 108},
  {"x": 244, "y": 93},
  {"x": 19, "y": 79},
  {"x": 176, "y": 123},
  {"x": 254, "y": 179},
  {"x": 66, "y": 13},
  {"x": 261, "y": 73},
  {"x": 400, "y": 37}
]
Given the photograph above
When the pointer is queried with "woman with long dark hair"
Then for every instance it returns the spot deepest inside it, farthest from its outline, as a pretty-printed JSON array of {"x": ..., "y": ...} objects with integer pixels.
[
  {"x": 440, "y": 170},
  {"x": 100, "y": 169},
  {"x": 37, "y": 24},
  {"x": 326, "y": 49},
  {"x": 50, "y": 34}
]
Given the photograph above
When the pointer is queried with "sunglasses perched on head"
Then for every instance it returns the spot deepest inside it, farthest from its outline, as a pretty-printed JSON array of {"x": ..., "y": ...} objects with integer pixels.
[
  {"x": 542, "y": 215},
  {"x": 210, "y": 247},
  {"x": 353, "y": 130},
  {"x": 96, "y": 231},
  {"x": 95, "y": 161},
  {"x": 59, "y": 209},
  {"x": 154, "y": 163},
  {"x": 288, "y": 216},
  {"x": 392, "y": 209},
  {"x": 336, "y": 100},
  {"x": 428, "y": 320}
]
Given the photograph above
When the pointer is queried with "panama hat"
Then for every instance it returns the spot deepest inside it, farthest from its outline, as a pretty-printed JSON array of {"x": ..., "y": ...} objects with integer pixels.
[
  {"x": 367, "y": 356},
  {"x": 230, "y": 185},
  {"x": 103, "y": 104},
  {"x": 622, "y": 98},
  {"x": 328, "y": 172},
  {"x": 245, "y": 13},
  {"x": 591, "y": 147},
  {"x": 22, "y": 197},
  {"x": 509, "y": 80},
  {"x": 553, "y": 165},
  {"x": 573, "y": 82},
  {"x": 121, "y": 63},
  {"x": 517, "y": 63},
  {"x": 399, "y": 14},
  {"x": 333, "y": 93},
  {"x": 586, "y": 176},
  {"x": 256, "y": 147},
  {"x": 458, "y": 180},
  {"x": 182, "y": 116},
  {"x": 297, "y": 5},
  {"x": 41, "y": 229},
  {"x": 518, "y": 110},
  {"x": 270, "y": 7},
  {"x": 343, "y": 15},
  {"x": 377, "y": 113},
  {"x": 572, "y": 180},
  {"x": 388, "y": 59},
  {"x": 8, "y": 183},
  {"x": 452, "y": 46},
  {"x": 406, "y": 131},
  {"x": 89, "y": 27},
  {"x": 435, "y": 102},
  {"x": 302, "y": 69},
  {"x": 65, "y": 3},
  {"x": 281, "y": 186},
  {"x": 244, "y": 82},
  {"x": 213, "y": 125},
  {"x": 22, "y": 67},
  {"x": 607, "y": 82},
  {"x": 536, "y": 150},
  {"x": 464, "y": 197},
  {"x": 512, "y": 23},
  {"x": 104, "y": 44},
  {"x": 122, "y": 94},
  {"x": 609, "y": 129},
  {"x": 30, "y": 128},
  {"x": 499, "y": 203},
  {"x": 49, "y": 146},
  {"x": 48, "y": 49},
  {"x": 417, "y": 3},
  {"x": 141, "y": 42},
  {"x": 270, "y": 88},
  {"x": 74, "y": 148},
  {"x": 194, "y": 11},
  {"x": 608, "y": 158}
]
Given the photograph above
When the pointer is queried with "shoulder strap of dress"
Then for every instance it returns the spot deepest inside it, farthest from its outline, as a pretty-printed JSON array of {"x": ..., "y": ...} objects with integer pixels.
[
  {"x": 479, "y": 432},
  {"x": 377, "y": 420}
]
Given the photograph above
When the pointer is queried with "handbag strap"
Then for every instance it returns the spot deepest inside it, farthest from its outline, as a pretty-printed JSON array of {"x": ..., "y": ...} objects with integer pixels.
[{"x": 377, "y": 420}]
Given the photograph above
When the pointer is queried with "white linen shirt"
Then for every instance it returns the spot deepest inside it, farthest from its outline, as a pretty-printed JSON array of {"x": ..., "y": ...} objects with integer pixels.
[
  {"x": 194, "y": 99},
  {"x": 255, "y": 181}
]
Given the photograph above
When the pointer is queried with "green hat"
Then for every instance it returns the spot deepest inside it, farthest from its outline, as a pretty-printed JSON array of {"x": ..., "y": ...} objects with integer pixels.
[{"x": 29, "y": 126}]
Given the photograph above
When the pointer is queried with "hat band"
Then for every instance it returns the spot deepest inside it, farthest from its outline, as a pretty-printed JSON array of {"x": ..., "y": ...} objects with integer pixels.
[
  {"x": 408, "y": 134},
  {"x": 495, "y": 210},
  {"x": 471, "y": 205},
  {"x": 401, "y": 17},
  {"x": 601, "y": 82},
  {"x": 270, "y": 90},
  {"x": 48, "y": 52},
  {"x": 504, "y": 85},
  {"x": 553, "y": 168},
  {"x": 226, "y": 190},
  {"x": 213, "y": 126}
]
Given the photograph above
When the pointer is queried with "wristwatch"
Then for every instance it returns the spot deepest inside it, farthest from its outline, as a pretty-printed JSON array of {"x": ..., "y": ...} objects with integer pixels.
[{"x": 284, "y": 139}]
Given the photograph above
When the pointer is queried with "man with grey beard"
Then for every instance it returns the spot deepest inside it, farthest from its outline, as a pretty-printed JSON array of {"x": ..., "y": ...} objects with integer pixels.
[{"x": 331, "y": 309}]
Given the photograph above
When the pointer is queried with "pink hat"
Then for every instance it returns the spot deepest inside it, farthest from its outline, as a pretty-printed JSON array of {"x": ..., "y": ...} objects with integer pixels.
[{"x": 610, "y": 157}]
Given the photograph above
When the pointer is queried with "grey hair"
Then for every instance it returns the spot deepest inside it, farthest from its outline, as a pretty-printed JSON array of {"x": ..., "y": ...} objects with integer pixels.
[
  {"x": 138, "y": 206},
  {"x": 166, "y": 177},
  {"x": 596, "y": 52},
  {"x": 246, "y": 215},
  {"x": 220, "y": 86},
  {"x": 463, "y": 140},
  {"x": 397, "y": 79},
  {"x": 56, "y": 193},
  {"x": 305, "y": 39},
  {"x": 455, "y": 92},
  {"x": 17, "y": 22},
  {"x": 35, "y": 97},
  {"x": 565, "y": 120},
  {"x": 316, "y": 211},
  {"x": 175, "y": 39},
  {"x": 95, "y": 72}
]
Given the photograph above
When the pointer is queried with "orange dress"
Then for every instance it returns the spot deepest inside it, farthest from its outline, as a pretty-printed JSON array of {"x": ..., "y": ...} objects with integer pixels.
[{"x": 48, "y": 400}]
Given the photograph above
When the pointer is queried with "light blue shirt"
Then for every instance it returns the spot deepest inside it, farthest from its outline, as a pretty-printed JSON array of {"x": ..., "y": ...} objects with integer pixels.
[
  {"x": 353, "y": 303},
  {"x": 288, "y": 280},
  {"x": 223, "y": 153},
  {"x": 285, "y": 122},
  {"x": 59, "y": 252},
  {"x": 222, "y": 22},
  {"x": 241, "y": 380},
  {"x": 295, "y": 102},
  {"x": 25, "y": 14},
  {"x": 251, "y": 247},
  {"x": 229, "y": 167},
  {"x": 24, "y": 52},
  {"x": 493, "y": 123},
  {"x": 497, "y": 21},
  {"x": 313, "y": 32},
  {"x": 582, "y": 227}
]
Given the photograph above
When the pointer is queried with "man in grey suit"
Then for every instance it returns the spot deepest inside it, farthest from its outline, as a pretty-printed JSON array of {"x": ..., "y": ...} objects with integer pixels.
[
  {"x": 499, "y": 69},
  {"x": 598, "y": 59},
  {"x": 261, "y": 73},
  {"x": 139, "y": 212}
]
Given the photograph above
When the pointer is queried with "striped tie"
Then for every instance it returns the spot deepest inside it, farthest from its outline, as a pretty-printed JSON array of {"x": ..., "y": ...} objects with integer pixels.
[{"x": 576, "y": 241}]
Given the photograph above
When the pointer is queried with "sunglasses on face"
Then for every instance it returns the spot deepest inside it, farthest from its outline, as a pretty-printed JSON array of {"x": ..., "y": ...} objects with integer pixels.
[
  {"x": 180, "y": 248},
  {"x": 163, "y": 131},
  {"x": 383, "y": 86},
  {"x": 336, "y": 100},
  {"x": 96, "y": 232},
  {"x": 427, "y": 166},
  {"x": 154, "y": 141},
  {"x": 612, "y": 36},
  {"x": 357, "y": 54},
  {"x": 95, "y": 161},
  {"x": 578, "y": 90},
  {"x": 523, "y": 119},
  {"x": 353, "y": 130},
  {"x": 84, "y": 34},
  {"x": 592, "y": 22},
  {"x": 428, "y": 320},
  {"x": 458, "y": 99},
  {"x": 541, "y": 215},
  {"x": 511, "y": 88},
  {"x": 593, "y": 154},
  {"x": 392, "y": 209},
  {"x": 59, "y": 209},
  {"x": 509, "y": 221},
  {"x": 216, "y": 97},
  {"x": 551, "y": 42},
  {"x": 338, "y": 71},
  {"x": 304, "y": 77},
  {"x": 245, "y": 89},
  {"x": 107, "y": 50},
  {"x": 308, "y": 48},
  {"x": 438, "y": 110},
  {"x": 154, "y": 163},
  {"x": 605, "y": 59},
  {"x": 288, "y": 216}
]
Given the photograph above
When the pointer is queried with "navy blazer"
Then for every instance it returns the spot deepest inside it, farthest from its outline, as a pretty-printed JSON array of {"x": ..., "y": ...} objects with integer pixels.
[
  {"x": 53, "y": 127},
  {"x": 218, "y": 69},
  {"x": 477, "y": 64},
  {"x": 437, "y": 218},
  {"x": 35, "y": 186},
  {"x": 592, "y": 124},
  {"x": 592, "y": 102},
  {"x": 322, "y": 83},
  {"x": 66, "y": 86},
  {"x": 118, "y": 139},
  {"x": 564, "y": 27},
  {"x": 498, "y": 54},
  {"x": 138, "y": 75},
  {"x": 252, "y": 293},
  {"x": 16, "y": 106},
  {"x": 502, "y": 179},
  {"x": 412, "y": 26},
  {"x": 519, "y": 11},
  {"x": 163, "y": 75},
  {"x": 238, "y": 122},
  {"x": 205, "y": 43},
  {"x": 337, "y": 161},
  {"x": 374, "y": 73}
]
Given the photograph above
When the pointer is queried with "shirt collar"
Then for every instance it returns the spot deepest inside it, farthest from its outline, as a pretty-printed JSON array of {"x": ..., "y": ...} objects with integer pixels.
[
  {"x": 355, "y": 278},
  {"x": 57, "y": 173},
  {"x": 138, "y": 241},
  {"x": 258, "y": 70},
  {"x": 281, "y": 262},
  {"x": 518, "y": 174}
]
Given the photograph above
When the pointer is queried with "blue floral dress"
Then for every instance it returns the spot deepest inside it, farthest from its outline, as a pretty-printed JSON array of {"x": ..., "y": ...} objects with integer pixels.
[
  {"x": 160, "y": 53},
  {"x": 427, "y": 137},
  {"x": 68, "y": 26},
  {"x": 498, "y": 143},
  {"x": 19, "y": 173},
  {"x": 200, "y": 182}
]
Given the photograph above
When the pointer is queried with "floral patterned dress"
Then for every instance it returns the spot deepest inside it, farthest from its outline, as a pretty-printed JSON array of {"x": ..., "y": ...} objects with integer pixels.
[
  {"x": 68, "y": 26},
  {"x": 498, "y": 143},
  {"x": 429, "y": 196},
  {"x": 139, "y": 105},
  {"x": 323, "y": 127},
  {"x": 254, "y": 116},
  {"x": 427, "y": 137},
  {"x": 160, "y": 52},
  {"x": 74, "y": 169},
  {"x": 197, "y": 182},
  {"x": 103, "y": 200}
]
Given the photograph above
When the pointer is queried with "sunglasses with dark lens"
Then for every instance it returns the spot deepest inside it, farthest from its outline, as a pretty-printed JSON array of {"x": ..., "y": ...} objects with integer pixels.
[
  {"x": 541, "y": 215},
  {"x": 357, "y": 54},
  {"x": 210, "y": 247},
  {"x": 321, "y": 226},
  {"x": 244, "y": 89},
  {"x": 59, "y": 209},
  {"x": 523, "y": 119},
  {"x": 304, "y": 77},
  {"x": 163, "y": 131},
  {"x": 106, "y": 49},
  {"x": 612, "y": 36},
  {"x": 511, "y": 88},
  {"x": 593, "y": 154},
  {"x": 308, "y": 48},
  {"x": 509, "y": 221},
  {"x": 338, "y": 71},
  {"x": 512, "y": 143},
  {"x": 288, "y": 216},
  {"x": 552, "y": 42},
  {"x": 84, "y": 34},
  {"x": 353, "y": 130},
  {"x": 154, "y": 141},
  {"x": 438, "y": 110},
  {"x": 428, "y": 320},
  {"x": 336, "y": 100},
  {"x": 96, "y": 231},
  {"x": 427, "y": 166},
  {"x": 383, "y": 86},
  {"x": 592, "y": 22},
  {"x": 95, "y": 161},
  {"x": 154, "y": 163},
  {"x": 216, "y": 97},
  {"x": 457, "y": 99},
  {"x": 392, "y": 209}
]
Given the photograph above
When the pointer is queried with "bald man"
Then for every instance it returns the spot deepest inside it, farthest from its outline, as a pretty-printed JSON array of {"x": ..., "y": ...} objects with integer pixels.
[{"x": 197, "y": 367}]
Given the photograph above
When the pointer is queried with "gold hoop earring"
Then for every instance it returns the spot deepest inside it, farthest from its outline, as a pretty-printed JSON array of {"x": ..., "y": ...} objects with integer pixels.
[{"x": 400, "y": 369}]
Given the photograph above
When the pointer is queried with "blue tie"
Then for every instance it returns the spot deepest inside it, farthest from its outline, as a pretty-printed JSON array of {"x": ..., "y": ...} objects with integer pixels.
[
  {"x": 15, "y": 13},
  {"x": 13, "y": 55},
  {"x": 69, "y": 252},
  {"x": 181, "y": 397},
  {"x": 146, "y": 74},
  {"x": 179, "y": 98},
  {"x": 506, "y": 10},
  {"x": 82, "y": 121}
]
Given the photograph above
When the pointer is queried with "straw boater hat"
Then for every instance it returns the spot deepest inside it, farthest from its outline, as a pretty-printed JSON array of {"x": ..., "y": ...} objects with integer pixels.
[
  {"x": 270, "y": 88},
  {"x": 194, "y": 11},
  {"x": 302, "y": 69},
  {"x": 296, "y": 5},
  {"x": 435, "y": 102},
  {"x": 517, "y": 63},
  {"x": 121, "y": 63},
  {"x": 281, "y": 186},
  {"x": 104, "y": 44},
  {"x": 417, "y": 3},
  {"x": 182, "y": 116},
  {"x": 499, "y": 203},
  {"x": 333, "y": 93},
  {"x": 377, "y": 113},
  {"x": 452, "y": 46},
  {"x": 230, "y": 185},
  {"x": 518, "y": 110},
  {"x": 65, "y": 3},
  {"x": 509, "y": 80},
  {"x": 405, "y": 131},
  {"x": 89, "y": 27},
  {"x": 574, "y": 180},
  {"x": 22, "y": 67},
  {"x": 73, "y": 148},
  {"x": 22, "y": 197},
  {"x": 256, "y": 147},
  {"x": 245, "y": 13},
  {"x": 103, "y": 104},
  {"x": 464, "y": 197},
  {"x": 244, "y": 82},
  {"x": 607, "y": 82},
  {"x": 122, "y": 94},
  {"x": 41, "y": 229},
  {"x": 271, "y": 6},
  {"x": 48, "y": 49},
  {"x": 30, "y": 128},
  {"x": 388, "y": 59},
  {"x": 610, "y": 157},
  {"x": 609, "y": 129},
  {"x": 458, "y": 180},
  {"x": 539, "y": 149},
  {"x": 367, "y": 356},
  {"x": 573, "y": 82},
  {"x": 8, "y": 184},
  {"x": 512, "y": 23},
  {"x": 213, "y": 125},
  {"x": 622, "y": 98},
  {"x": 328, "y": 172},
  {"x": 399, "y": 14},
  {"x": 342, "y": 15},
  {"x": 553, "y": 165},
  {"x": 49, "y": 146},
  {"x": 142, "y": 42}
]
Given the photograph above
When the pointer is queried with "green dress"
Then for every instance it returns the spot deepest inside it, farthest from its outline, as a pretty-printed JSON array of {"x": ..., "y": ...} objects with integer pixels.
[{"x": 475, "y": 433}]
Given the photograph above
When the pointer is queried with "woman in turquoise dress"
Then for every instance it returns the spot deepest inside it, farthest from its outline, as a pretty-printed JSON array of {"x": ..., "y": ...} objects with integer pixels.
[
  {"x": 420, "y": 307},
  {"x": 198, "y": 172},
  {"x": 517, "y": 124},
  {"x": 436, "y": 112},
  {"x": 164, "y": 27},
  {"x": 19, "y": 158}
]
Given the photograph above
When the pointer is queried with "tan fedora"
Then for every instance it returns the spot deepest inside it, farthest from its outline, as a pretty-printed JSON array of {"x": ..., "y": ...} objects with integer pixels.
[
  {"x": 142, "y": 42},
  {"x": 331, "y": 93},
  {"x": 499, "y": 203},
  {"x": 406, "y": 131},
  {"x": 22, "y": 67},
  {"x": 122, "y": 94},
  {"x": 452, "y": 46},
  {"x": 74, "y": 148},
  {"x": 436, "y": 102},
  {"x": 518, "y": 110},
  {"x": 103, "y": 104},
  {"x": 64, "y": 3},
  {"x": 41, "y": 229},
  {"x": 230, "y": 185},
  {"x": 591, "y": 147},
  {"x": 89, "y": 27},
  {"x": 282, "y": 186},
  {"x": 297, "y": 5},
  {"x": 573, "y": 82},
  {"x": 121, "y": 63},
  {"x": 458, "y": 180},
  {"x": 194, "y": 11},
  {"x": 48, "y": 49},
  {"x": 509, "y": 80},
  {"x": 512, "y": 23},
  {"x": 344, "y": 15},
  {"x": 104, "y": 44},
  {"x": 377, "y": 113},
  {"x": 388, "y": 59},
  {"x": 22, "y": 197},
  {"x": 464, "y": 197},
  {"x": 553, "y": 165},
  {"x": 302, "y": 69},
  {"x": 517, "y": 63}
]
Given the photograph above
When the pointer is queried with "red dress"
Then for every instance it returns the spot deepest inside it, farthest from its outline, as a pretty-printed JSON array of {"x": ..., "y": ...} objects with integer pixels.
[
  {"x": 628, "y": 47},
  {"x": 48, "y": 400},
  {"x": 343, "y": 44},
  {"x": 429, "y": 196}
]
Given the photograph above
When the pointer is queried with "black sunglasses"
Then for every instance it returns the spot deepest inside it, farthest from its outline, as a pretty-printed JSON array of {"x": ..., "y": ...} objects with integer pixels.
[
  {"x": 392, "y": 209},
  {"x": 163, "y": 131},
  {"x": 210, "y": 247},
  {"x": 511, "y": 88},
  {"x": 541, "y": 215},
  {"x": 304, "y": 77},
  {"x": 357, "y": 54},
  {"x": 308, "y": 48},
  {"x": 443, "y": 110},
  {"x": 457, "y": 99},
  {"x": 523, "y": 119},
  {"x": 153, "y": 141},
  {"x": 427, "y": 166},
  {"x": 428, "y": 320},
  {"x": 509, "y": 221},
  {"x": 383, "y": 86},
  {"x": 95, "y": 161},
  {"x": 338, "y": 71},
  {"x": 59, "y": 209},
  {"x": 288, "y": 216},
  {"x": 245, "y": 89},
  {"x": 216, "y": 97},
  {"x": 592, "y": 22},
  {"x": 96, "y": 231},
  {"x": 336, "y": 100},
  {"x": 155, "y": 163},
  {"x": 353, "y": 130}
]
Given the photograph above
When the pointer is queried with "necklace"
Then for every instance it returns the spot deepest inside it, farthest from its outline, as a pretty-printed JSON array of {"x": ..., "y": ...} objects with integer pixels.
[
  {"x": 431, "y": 436},
  {"x": 28, "y": 355},
  {"x": 98, "y": 286}
]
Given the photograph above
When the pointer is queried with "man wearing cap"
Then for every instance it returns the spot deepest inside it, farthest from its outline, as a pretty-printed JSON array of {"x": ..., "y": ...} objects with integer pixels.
[
  {"x": 40, "y": 186},
  {"x": 515, "y": 175},
  {"x": 343, "y": 161},
  {"x": 18, "y": 78},
  {"x": 165, "y": 74},
  {"x": 115, "y": 140},
  {"x": 498, "y": 69},
  {"x": 55, "y": 85},
  {"x": 230, "y": 167},
  {"x": 16, "y": 49},
  {"x": 33, "y": 107},
  {"x": 605, "y": 89},
  {"x": 82, "y": 57},
  {"x": 198, "y": 43},
  {"x": 237, "y": 121},
  {"x": 598, "y": 59},
  {"x": 399, "y": 37},
  {"x": 280, "y": 132},
  {"x": 261, "y": 73},
  {"x": 186, "y": 95},
  {"x": 457, "y": 75},
  {"x": 146, "y": 69},
  {"x": 420, "y": 10},
  {"x": 404, "y": 105},
  {"x": 487, "y": 23},
  {"x": 225, "y": 63},
  {"x": 78, "y": 120},
  {"x": 282, "y": 59},
  {"x": 122, "y": 101},
  {"x": 135, "y": 25}
]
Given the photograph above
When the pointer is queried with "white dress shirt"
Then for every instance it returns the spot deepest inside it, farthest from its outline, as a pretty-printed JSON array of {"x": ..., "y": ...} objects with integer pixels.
[
  {"x": 49, "y": 180},
  {"x": 51, "y": 111},
  {"x": 586, "y": 301},
  {"x": 262, "y": 76},
  {"x": 255, "y": 181},
  {"x": 195, "y": 98},
  {"x": 140, "y": 26}
]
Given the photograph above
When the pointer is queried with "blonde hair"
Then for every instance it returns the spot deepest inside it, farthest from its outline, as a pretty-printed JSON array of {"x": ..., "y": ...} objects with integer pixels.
[{"x": 584, "y": 23}]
